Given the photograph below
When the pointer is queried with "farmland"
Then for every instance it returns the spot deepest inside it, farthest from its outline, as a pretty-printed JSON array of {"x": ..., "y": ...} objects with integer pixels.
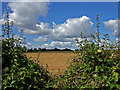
[{"x": 54, "y": 59}]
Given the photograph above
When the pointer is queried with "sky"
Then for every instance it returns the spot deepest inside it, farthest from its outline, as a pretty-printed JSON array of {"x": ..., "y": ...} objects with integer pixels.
[{"x": 57, "y": 24}]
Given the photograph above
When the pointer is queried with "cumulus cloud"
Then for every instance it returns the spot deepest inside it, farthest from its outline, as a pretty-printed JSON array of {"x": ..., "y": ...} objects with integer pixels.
[
  {"x": 41, "y": 39},
  {"x": 113, "y": 25},
  {"x": 56, "y": 44},
  {"x": 29, "y": 44},
  {"x": 66, "y": 31},
  {"x": 60, "y": 44},
  {"x": 117, "y": 41},
  {"x": 25, "y": 15},
  {"x": 72, "y": 28},
  {"x": 42, "y": 29},
  {"x": 2, "y": 21},
  {"x": 64, "y": 35}
]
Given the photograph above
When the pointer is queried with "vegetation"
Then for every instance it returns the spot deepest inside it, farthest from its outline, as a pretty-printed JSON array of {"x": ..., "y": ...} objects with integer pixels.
[
  {"x": 94, "y": 67},
  {"x": 18, "y": 71},
  {"x": 44, "y": 49}
]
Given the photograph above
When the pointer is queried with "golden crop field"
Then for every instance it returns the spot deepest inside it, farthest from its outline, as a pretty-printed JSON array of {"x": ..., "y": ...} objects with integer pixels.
[{"x": 54, "y": 60}]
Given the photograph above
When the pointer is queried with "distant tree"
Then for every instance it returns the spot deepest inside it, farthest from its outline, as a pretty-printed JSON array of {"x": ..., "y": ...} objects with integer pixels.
[
  {"x": 30, "y": 50},
  {"x": 44, "y": 49},
  {"x": 35, "y": 49},
  {"x": 39, "y": 49},
  {"x": 56, "y": 49},
  {"x": 66, "y": 49}
]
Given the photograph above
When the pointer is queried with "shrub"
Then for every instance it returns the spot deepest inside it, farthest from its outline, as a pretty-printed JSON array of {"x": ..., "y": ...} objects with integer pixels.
[
  {"x": 18, "y": 71},
  {"x": 95, "y": 66}
]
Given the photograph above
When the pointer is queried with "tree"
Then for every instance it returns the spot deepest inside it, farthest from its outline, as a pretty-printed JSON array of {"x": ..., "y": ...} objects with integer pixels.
[{"x": 39, "y": 49}]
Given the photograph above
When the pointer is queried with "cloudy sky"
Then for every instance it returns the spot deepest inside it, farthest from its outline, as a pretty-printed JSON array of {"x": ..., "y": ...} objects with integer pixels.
[{"x": 57, "y": 24}]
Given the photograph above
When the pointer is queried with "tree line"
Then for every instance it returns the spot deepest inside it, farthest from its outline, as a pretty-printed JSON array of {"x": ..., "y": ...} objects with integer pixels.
[{"x": 44, "y": 49}]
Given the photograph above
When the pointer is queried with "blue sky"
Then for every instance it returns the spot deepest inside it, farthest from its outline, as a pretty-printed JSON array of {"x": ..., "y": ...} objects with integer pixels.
[{"x": 59, "y": 13}]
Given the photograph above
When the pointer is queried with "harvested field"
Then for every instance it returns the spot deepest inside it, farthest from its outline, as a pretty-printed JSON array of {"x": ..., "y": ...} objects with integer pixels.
[{"x": 54, "y": 60}]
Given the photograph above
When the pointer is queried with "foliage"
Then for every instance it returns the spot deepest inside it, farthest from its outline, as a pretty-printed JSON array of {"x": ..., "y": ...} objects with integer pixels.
[
  {"x": 95, "y": 66},
  {"x": 18, "y": 72}
]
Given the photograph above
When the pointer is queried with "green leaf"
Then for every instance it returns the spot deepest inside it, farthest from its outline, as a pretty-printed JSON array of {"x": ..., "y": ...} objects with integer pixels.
[
  {"x": 105, "y": 77},
  {"x": 15, "y": 59},
  {"x": 116, "y": 76},
  {"x": 118, "y": 86},
  {"x": 112, "y": 85},
  {"x": 5, "y": 82},
  {"x": 13, "y": 81},
  {"x": 42, "y": 79},
  {"x": 35, "y": 79},
  {"x": 92, "y": 56},
  {"x": 5, "y": 87},
  {"x": 9, "y": 78},
  {"x": 95, "y": 52},
  {"x": 101, "y": 69},
  {"x": 21, "y": 73},
  {"x": 6, "y": 69}
]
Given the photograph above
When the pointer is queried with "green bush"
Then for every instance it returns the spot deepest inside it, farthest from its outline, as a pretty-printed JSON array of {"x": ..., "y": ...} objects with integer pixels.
[
  {"x": 95, "y": 66},
  {"x": 18, "y": 72}
]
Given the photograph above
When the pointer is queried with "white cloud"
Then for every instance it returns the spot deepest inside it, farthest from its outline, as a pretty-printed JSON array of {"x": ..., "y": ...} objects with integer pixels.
[
  {"x": 62, "y": 44},
  {"x": 27, "y": 45},
  {"x": 2, "y": 21},
  {"x": 42, "y": 29},
  {"x": 72, "y": 28},
  {"x": 41, "y": 39},
  {"x": 117, "y": 41},
  {"x": 66, "y": 31},
  {"x": 113, "y": 25},
  {"x": 25, "y": 15},
  {"x": 57, "y": 44}
]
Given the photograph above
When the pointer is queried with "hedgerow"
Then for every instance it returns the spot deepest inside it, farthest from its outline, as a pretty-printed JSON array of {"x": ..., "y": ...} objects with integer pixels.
[
  {"x": 18, "y": 72},
  {"x": 94, "y": 66}
]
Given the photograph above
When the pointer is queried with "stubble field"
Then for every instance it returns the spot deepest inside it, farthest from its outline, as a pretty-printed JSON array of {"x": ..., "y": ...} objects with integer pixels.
[{"x": 55, "y": 60}]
